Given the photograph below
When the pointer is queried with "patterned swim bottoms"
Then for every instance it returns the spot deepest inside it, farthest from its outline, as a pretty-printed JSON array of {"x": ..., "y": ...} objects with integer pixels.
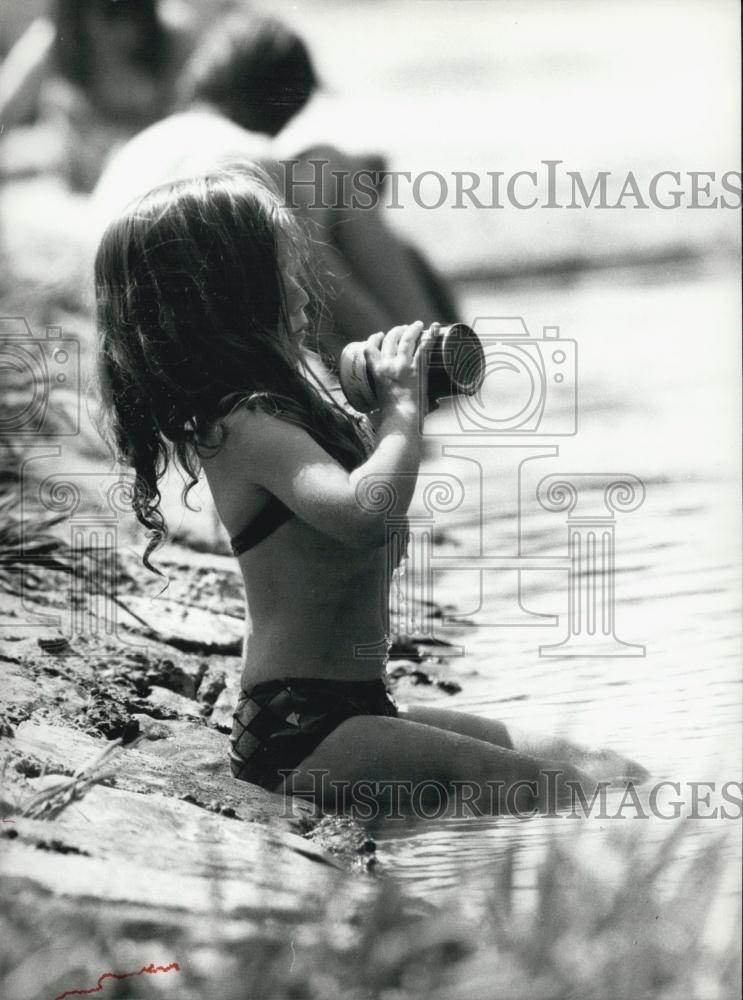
[{"x": 278, "y": 723}]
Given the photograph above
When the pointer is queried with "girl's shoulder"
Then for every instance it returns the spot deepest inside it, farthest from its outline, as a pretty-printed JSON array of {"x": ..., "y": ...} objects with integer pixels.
[
  {"x": 251, "y": 421},
  {"x": 241, "y": 410},
  {"x": 259, "y": 426},
  {"x": 234, "y": 416}
]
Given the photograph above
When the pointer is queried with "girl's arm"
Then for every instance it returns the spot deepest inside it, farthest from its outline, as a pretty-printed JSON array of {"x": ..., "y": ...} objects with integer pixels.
[{"x": 287, "y": 461}]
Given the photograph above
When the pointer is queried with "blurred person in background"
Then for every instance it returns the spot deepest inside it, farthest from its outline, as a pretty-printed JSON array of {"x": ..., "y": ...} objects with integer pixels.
[
  {"x": 243, "y": 85},
  {"x": 260, "y": 74},
  {"x": 97, "y": 72}
]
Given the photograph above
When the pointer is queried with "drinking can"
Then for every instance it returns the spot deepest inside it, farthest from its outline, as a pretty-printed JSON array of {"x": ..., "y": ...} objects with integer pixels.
[{"x": 456, "y": 368}]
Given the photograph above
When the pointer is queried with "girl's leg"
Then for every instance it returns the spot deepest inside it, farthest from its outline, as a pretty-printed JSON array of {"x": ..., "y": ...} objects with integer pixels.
[
  {"x": 489, "y": 730},
  {"x": 601, "y": 764},
  {"x": 381, "y": 759}
]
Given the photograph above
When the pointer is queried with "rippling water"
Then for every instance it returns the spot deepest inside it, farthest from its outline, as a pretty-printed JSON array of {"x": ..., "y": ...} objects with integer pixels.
[
  {"x": 615, "y": 85},
  {"x": 658, "y": 398}
]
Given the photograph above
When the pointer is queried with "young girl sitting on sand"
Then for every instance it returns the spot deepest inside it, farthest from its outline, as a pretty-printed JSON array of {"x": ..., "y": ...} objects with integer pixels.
[{"x": 202, "y": 314}]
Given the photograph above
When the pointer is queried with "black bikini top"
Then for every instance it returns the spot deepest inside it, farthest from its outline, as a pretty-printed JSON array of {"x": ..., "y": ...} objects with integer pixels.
[
  {"x": 267, "y": 520},
  {"x": 275, "y": 513}
]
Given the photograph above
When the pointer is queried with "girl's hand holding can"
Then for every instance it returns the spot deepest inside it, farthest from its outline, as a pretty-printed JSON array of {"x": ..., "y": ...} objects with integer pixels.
[
  {"x": 398, "y": 363},
  {"x": 452, "y": 358}
]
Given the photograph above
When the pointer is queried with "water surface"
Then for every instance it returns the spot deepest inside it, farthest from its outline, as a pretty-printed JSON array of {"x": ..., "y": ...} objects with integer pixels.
[{"x": 658, "y": 398}]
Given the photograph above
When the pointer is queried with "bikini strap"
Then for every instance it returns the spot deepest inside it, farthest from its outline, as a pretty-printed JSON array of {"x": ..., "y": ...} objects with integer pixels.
[{"x": 273, "y": 514}]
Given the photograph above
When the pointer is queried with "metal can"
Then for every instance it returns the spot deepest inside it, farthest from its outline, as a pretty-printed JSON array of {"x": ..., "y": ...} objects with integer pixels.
[{"x": 456, "y": 368}]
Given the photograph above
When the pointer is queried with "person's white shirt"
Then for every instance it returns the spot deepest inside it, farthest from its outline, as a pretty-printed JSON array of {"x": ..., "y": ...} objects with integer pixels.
[{"x": 187, "y": 144}]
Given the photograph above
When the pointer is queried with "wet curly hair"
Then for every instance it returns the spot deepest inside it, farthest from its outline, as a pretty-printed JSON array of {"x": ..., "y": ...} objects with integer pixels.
[{"x": 190, "y": 311}]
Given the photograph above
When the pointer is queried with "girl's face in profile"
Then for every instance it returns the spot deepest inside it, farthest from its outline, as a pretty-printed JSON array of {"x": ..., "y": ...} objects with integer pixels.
[{"x": 296, "y": 297}]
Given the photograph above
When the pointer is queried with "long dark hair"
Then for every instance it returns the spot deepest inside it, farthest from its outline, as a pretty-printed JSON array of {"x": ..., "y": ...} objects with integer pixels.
[{"x": 192, "y": 311}]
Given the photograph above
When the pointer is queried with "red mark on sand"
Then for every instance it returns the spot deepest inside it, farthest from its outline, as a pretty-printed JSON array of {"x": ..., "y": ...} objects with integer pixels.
[
  {"x": 7, "y": 821},
  {"x": 150, "y": 969}
]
